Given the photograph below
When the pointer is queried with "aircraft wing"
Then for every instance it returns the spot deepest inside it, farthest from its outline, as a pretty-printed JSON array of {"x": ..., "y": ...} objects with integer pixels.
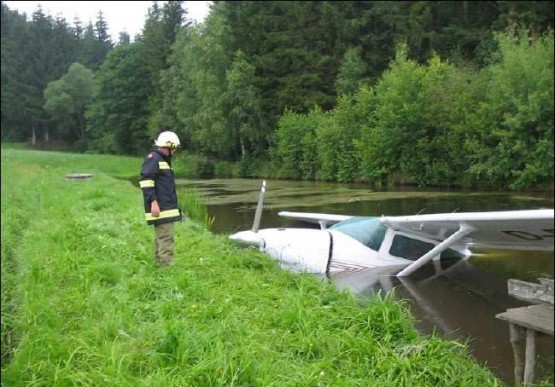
[
  {"x": 518, "y": 230},
  {"x": 322, "y": 219}
]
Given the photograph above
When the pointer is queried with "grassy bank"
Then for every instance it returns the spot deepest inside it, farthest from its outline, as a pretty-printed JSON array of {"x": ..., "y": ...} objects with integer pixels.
[{"x": 83, "y": 303}]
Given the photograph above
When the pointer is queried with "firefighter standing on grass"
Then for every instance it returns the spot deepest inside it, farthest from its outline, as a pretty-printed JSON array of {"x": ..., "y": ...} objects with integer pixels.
[{"x": 160, "y": 199}]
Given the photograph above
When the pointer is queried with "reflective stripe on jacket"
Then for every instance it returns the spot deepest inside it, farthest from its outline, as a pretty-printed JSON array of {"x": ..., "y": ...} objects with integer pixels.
[{"x": 157, "y": 183}]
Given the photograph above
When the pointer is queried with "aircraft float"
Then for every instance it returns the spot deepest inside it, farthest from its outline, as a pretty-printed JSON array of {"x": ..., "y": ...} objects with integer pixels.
[{"x": 403, "y": 243}]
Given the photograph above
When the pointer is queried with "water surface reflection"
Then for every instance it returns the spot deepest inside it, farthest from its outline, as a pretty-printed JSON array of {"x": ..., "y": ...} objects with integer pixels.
[{"x": 458, "y": 302}]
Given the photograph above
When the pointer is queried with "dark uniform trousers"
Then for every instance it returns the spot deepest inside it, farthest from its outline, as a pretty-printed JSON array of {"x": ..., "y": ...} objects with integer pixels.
[{"x": 163, "y": 244}]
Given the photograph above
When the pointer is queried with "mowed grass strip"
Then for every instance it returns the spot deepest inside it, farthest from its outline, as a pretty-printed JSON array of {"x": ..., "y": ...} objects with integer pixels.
[{"x": 84, "y": 304}]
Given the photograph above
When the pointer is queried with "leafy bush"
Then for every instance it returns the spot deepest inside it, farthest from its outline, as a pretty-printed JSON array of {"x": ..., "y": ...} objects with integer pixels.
[
  {"x": 288, "y": 152},
  {"x": 511, "y": 144},
  {"x": 223, "y": 169},
  {"x": 204, "y": 168}
]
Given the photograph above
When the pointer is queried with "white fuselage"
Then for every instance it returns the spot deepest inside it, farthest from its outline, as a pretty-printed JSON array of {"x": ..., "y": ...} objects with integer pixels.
[{"x": 324, "y": 251}]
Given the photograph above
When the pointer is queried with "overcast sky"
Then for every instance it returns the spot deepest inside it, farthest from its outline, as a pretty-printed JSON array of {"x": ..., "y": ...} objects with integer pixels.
[{"x": 128, "y": 16}]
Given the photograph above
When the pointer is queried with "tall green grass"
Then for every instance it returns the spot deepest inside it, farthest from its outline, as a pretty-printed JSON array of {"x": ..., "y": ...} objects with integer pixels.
[
  {"x": 193, "y": 207},
  {"x": 84, "y": 304}
]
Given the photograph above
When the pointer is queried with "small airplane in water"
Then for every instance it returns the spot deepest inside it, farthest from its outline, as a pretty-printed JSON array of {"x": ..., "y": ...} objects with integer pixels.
[{"x": 350, "y": 243}]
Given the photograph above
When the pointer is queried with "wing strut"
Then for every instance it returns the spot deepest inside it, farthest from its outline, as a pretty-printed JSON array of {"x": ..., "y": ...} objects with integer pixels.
[{"x": 464, "y": 229}]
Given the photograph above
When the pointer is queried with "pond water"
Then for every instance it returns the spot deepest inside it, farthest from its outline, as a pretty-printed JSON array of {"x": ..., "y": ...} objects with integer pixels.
[{"x": 459, "y": 302}]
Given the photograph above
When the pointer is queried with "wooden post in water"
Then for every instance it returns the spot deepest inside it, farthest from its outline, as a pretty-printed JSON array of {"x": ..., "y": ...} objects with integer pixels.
[
  {"x": 515, "y": 336},
  {"x": 530, "y": 357},
  {"x": 527, "y": 321}
]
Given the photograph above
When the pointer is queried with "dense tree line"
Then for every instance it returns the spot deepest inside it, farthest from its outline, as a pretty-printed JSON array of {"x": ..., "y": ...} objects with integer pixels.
[
  {"x": 37, "y": 50},
  {"x": 430, "y": 92},
  {"x": 435, "y": 124}
]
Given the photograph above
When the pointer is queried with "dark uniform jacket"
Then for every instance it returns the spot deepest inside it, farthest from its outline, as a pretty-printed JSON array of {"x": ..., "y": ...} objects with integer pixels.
[{"x": 157, "y": 183}]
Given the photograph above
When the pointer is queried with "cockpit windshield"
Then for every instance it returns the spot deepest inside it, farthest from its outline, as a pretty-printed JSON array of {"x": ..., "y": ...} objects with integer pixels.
[{"x": 367, "y": 230}]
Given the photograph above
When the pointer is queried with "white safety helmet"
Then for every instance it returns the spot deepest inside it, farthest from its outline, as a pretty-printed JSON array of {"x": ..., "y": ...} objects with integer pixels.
[{"x": 168, "y": 140}]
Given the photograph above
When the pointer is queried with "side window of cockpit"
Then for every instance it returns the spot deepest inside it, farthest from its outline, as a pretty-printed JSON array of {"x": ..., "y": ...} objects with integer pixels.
[{"x": 409, "y": 248}]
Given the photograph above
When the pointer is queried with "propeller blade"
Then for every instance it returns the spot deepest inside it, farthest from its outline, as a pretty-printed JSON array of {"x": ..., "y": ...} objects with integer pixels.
[{"x": 258, "y": 213}]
